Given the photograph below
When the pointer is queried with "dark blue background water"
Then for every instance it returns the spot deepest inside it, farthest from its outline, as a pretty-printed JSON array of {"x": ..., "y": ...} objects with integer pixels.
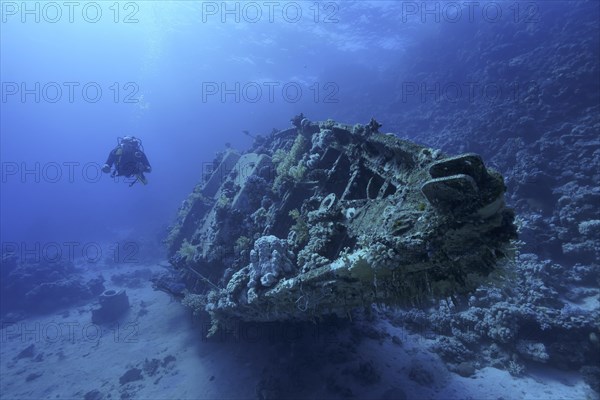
[
  {"x": 356, "y": 54},
  {"x": 168, "y": 55},
  {"x": 515, "y": 81}
]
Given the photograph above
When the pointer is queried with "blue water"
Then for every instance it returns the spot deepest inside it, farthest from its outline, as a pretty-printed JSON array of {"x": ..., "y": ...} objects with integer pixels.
[
  {"x": 188, "y": 78},
  {"x": 157, "y": 68},
  {"x": 161, "y": 68}
]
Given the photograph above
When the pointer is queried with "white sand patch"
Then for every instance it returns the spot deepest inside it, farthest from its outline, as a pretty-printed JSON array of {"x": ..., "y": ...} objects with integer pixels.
[
  {"x": 395, "y": 362},
  {"x": 72, "y": 357}
]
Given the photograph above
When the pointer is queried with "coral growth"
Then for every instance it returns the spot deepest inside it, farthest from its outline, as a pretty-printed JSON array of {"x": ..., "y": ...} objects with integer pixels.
[
  {"x": 269, "y": 262},
  {"x": 345, "y": 221}
]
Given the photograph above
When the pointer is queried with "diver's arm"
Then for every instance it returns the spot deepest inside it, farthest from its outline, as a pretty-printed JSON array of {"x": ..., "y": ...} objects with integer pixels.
[
  {"x": 109, "y": 161},
  {"x": 111, "y": 158},
  {"x": 146, "y": 163}
]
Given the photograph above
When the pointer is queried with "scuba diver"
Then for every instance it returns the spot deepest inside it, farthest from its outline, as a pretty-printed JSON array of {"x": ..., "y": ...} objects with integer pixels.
[{"x": 129, "y": 160}]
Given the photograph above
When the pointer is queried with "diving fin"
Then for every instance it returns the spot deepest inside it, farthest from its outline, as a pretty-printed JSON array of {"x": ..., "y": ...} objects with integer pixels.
[
  {"x": 142, "y": 179},
  {"x": 139, "y": 177}
]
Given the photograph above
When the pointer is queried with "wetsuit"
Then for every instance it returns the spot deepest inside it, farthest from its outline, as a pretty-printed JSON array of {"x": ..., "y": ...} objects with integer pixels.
[{"x": 128, "y": 160}]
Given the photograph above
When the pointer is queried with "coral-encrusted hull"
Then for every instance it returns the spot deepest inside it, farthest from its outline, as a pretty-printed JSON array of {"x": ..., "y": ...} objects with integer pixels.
[{"x": 326, "y": 217}]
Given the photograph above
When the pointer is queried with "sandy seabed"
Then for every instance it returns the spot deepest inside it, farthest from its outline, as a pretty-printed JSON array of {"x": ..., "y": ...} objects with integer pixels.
[{"x": 158, "y": 351}]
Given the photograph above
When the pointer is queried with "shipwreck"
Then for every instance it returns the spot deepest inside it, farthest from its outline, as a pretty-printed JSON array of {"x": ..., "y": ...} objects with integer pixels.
[{"x": 324, "y": 217}]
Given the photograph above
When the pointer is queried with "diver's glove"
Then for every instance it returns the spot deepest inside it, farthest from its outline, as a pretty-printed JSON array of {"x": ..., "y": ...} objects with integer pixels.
[
  {"x": 141, "y": 167},
  {"x": 106, "y": 168}
]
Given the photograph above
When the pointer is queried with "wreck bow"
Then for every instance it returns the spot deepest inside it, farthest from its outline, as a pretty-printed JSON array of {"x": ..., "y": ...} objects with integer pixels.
[{"x": 325, "y": 217}]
